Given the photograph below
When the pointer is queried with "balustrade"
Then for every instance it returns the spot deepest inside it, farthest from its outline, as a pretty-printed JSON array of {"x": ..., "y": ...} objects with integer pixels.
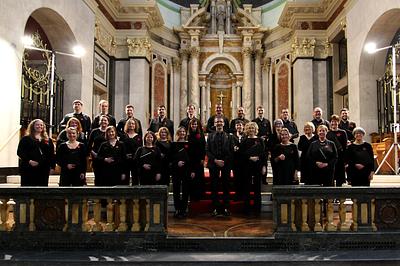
[
  {"x": 84, "y": 209},
  {"x": 336, "y": 209}
]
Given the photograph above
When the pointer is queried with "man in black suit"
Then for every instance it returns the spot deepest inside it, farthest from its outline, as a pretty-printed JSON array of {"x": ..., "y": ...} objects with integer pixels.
[
  {"x": 103, "y": 104},
  {"x": 318, "y": 120},
  {"x": 264, "y": 125},
  {"x": 346, "y": 124},
  {"x": 129, "y": 114},
  {"x": 218, "y": 113},
  {"x": 240, "y": 117},
  {"x": 289, "y": 124},
  {"x": 191, "y": 113},
  {"x": 220, "y": 156},
  {"x": 83, "y": 118},
  {"x": 161, "y": 121}
]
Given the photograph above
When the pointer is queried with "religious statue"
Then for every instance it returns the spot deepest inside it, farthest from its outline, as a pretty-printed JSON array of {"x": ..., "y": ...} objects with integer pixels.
[{"x": 221, "y": 15}]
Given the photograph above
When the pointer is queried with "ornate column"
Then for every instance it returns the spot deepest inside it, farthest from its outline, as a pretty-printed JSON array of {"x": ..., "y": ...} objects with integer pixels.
[
  {"x": 139, "y": 49},
  {"x": 194, "y": 96},
  {"x": 247, "y": 100},
  {"x": 213, "y": 18},
  {"x": 184, "y": 82},
  {"x": 258, "y": 90},
  {"x": 266, "y": 77},
  {"x": 303, "y": 79},
  {"x": 238, "y": 91},
  {"x": 176, "y": 84},
  {"x": 203, "y": 109}
]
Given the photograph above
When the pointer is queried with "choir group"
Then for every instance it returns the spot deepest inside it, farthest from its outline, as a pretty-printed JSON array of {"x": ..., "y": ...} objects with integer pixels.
[{"x": 332, "y": 153}]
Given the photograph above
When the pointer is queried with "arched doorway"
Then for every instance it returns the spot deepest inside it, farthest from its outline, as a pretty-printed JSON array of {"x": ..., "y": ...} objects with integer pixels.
[
  {"x": 54, "y": 34},
  {"x": 221, "y": 82}
]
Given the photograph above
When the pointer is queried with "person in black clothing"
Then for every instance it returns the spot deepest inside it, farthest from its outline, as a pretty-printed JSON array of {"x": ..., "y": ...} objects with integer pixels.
[
  {"x": 103, "y": 104},
  {"x": 220, "y": 154},
  {"x": 240, "y": 117},
  {"x": 360, "y": 159},
  {"x": 318, "y": 120},
  {"x": 163, "y": 143},
  {"x": 254, "y": 165},
  {"x": 197, "y": 153},
  {"x": 129, "y": 114},
  {"x": 71, "y": 157},
  {"x": 83, "y": 118},
  {"x": 322, "y": 154},
  {"x": 285, "y": 157},
  {"x": 72, "y": 122},
  {"x": 96, "y": 138},
  {"x": 275, "y": 137},
  {"x": 132, "y": 141},
  {"x": 218, "y": 113},
  {"x": 161, "y": 121},
  {"x": 148, "y": 160},
  {"x": 238, "y": 161},
  {"x": 191, "y": 113},
  {"x": 303, "y": 145},
  {"x": 289, "y": 124},
  {"x": 346, "y": 125},
  {"x": 180, "y": 172},
  {"x": 264, "y": 125},
  {"x": 36, "y": 155},
  {"x": 112, "y": 156},
  {"x": 339, "y": 137}
]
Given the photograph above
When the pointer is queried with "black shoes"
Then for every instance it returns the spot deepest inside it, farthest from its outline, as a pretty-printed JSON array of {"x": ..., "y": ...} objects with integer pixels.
[
  {"x": 225, "y": 212},
  {"x": 180, "y": 214},
  {"x": 214, "y": 213}
]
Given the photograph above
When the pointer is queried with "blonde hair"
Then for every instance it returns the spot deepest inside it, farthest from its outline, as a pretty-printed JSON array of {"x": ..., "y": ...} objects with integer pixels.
[
  {"x": 169, "y": 138},
  {"x": 31, "y": 129},
  {"x": 177, "y": 133},
  {"x": 108, "y": 129},
  {"x": 309, "y": 124},
  {"x": 130, "y": 120},
  {"x": 74, "y": 119},
  {"x": 248, "y": 125}
]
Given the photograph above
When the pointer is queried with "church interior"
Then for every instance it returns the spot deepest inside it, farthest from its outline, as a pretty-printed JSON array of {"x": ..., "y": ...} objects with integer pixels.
[{"x": 279, "y": 54}]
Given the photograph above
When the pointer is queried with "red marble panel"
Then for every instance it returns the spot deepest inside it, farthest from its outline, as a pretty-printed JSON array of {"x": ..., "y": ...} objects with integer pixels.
[
  {"x": 159, "y": 87},
  {"x": 283, "y": 87}
]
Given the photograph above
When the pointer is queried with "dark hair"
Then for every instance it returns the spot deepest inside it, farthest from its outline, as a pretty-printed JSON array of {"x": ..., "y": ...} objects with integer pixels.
[
  {"x": 151, "y": 133},
  {"x": 199, "y": 128},
  {"x": 335, "y": 118}
]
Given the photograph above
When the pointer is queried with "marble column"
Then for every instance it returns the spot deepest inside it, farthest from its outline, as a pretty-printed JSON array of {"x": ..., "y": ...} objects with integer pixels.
[
  {"x": 247, "y": 92},
  {"x": 258, "y": 90},
  {"x": 176, "y": 108},
  {"x": 139, "y": 88},
  {"x": 238, "y": 92},
  {"x": 303, "y": 90},
  {"x": 266, "y": 88},
  {"x": 235, "y": 104},
  {"x": 184, "y": 82},
  {"x": 194, "y": 96},
  {"x": 203, "y": 109}
]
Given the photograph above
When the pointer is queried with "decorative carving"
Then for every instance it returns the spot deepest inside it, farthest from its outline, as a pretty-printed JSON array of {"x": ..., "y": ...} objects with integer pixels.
[
  {"x": 247, "y": 51},
  {"x": 139, "y": 47},
  {"x": 387, "y": 214},
  {"x": 303, "y": 48},
  {"x": 184, "y": 54},
  {"x": 49, "y": 215},
  {"x": 194, "y": 51},
  {"x": 104, "y": 39}
]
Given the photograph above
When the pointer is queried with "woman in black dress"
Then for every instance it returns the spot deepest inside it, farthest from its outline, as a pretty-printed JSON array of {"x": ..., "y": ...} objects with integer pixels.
[
  {"x": 303, "y": 145},
  {"x": 197, "y": 153},
  {"x": 75, "y": 123},
  {"x": 285, "y": 156},
  {"x": 132, "y": 141},
  {"x": 360, "y": 159},
  {"x": 148, "y": 161},
  {"x": 237, "y": 167},
  {"x": 36, "y": 155},
  {"x": 339, "y": 137},
  {"x": 180, "y": 172},
  {"x": 112, "y": 156},
  {"x": 323, "y": 156},
  {"x": 71, "y": 157},
  {"x": 255, "y": 165},
  {"x": 96, "y": 138},
  {"x": 163, "y": 143}
]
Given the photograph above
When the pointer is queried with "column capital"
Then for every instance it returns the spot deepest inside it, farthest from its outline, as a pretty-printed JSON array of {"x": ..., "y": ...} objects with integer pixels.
[
  {"x": 303, "y": 47},
  {"x": 139, "y": 47},
  {"x": 258, "y": 53},
  {"x": 266, "y": 63},
  {"x": 194, "y": 51},
  {"x": 184, "y": 53},
  {"x": 247, "y": 51}
]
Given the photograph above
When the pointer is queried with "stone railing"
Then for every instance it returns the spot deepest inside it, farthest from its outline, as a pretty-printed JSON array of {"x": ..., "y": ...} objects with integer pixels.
[
  {"x": 84, "y": 209},
  {"x": 299, "y": 209}
]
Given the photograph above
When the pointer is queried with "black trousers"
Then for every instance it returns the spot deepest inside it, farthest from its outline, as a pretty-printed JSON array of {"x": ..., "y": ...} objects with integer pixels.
[{"x": 218, "y": 174}]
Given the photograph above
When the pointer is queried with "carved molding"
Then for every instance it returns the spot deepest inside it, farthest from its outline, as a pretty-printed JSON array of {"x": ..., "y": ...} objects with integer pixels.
[
  {"x": 247, "y": 51},
  {"x": 139, "y": 47},
  {"x": 104, "y": 39},
  {"x": 294, "y": 13},
  {"x": 303, "y": 48},
  {"x": 194, "y": 51}
]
